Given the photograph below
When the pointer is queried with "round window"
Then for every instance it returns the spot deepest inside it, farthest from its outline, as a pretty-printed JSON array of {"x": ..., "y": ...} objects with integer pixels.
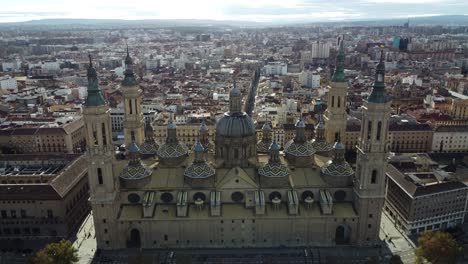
[
  {"x": 133, "y": 198},
  {"x": 306, "y": 194},
  {"x": 199, "y": 195},
  {"x": 237, "y": 197},
  {"x": 340, "y": 195},
  {"x": 274, "y": 195},
  {"x": 166, "y": 197}
]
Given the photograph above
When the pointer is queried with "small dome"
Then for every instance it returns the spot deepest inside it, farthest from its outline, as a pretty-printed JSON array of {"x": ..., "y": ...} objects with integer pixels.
[
  {"x": 200, "y": 170},
  {"x": 300, "y": 123},
  {"x": 299, "y": 149},
  {"x": 171, "y": 150},
  {"x": 149, "y": 148},
  {"x": 203, "y": 126},
  {"x": 338, "y": 146},
  {"x": 198, "y": 147},
  {"x": 274, "y": 146},
  {"x": 337, "y": 169},
  {"x": 274, "y": 170},
  {"x": 321, "y": 146},
  {"x": 235, "y": 125},
  {"x": 266, "y": 126},
  {"x": 135, "y": 171},
  {"x": 133, "y": 148}
]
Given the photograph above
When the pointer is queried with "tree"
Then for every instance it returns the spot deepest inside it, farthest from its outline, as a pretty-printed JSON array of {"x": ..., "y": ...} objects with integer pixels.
[
  {"x": 61, "y": 252},
  {"x": 395, "y": 259},
  {"x": 438, "y": 248}
]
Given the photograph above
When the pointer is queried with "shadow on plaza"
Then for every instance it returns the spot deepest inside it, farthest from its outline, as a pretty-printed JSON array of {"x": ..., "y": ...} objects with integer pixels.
[{"x": 319, "y": 255}]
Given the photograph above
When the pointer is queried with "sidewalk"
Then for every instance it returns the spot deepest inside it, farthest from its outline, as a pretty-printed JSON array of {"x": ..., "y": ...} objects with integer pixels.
[{"x": 85, "y": 241}]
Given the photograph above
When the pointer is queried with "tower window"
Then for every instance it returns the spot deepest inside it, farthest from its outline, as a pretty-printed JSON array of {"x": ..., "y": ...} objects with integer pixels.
[
  {"x": 379, "y": 128},
  {"x": 104, "y": 138},
  {"x": 333, "y": 101},
  {"x": 166, "y": 238},
  {"x": 132, "y": 135},
  {"x": 99, "y": 176},
  {"x": 236, "y": 153},
  {"x": 95, "y": 138},
  {"x": 130, "y": 106},
  {"x": 339, "y": 102},
  {"x": 374, "y": 177},
  {"x": 369, "y": 129}
]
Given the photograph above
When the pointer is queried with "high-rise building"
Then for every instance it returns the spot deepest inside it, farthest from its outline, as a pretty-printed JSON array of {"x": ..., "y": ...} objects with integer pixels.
[{"x": 320, "y": 50}]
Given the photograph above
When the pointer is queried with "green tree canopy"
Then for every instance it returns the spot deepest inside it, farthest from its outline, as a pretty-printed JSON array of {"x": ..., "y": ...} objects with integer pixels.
[
  {"x": 61, "y": 252},
  {"x": 438, "y": 248}
]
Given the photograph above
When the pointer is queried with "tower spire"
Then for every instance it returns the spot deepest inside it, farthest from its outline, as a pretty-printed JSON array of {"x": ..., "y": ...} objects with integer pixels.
[
  {"x": 338, "y": 75},
  {"x": 378, "y": 94},
  {"x": 129, "y": 76},
  {"x": 95, "y": 97}
]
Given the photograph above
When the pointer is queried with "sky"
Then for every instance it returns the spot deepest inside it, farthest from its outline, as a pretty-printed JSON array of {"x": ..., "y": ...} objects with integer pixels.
[{"x": 242, "y": 10}]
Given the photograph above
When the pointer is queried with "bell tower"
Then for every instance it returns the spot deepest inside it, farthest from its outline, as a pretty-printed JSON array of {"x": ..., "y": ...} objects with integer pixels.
[
  {"x": 133, "y": 118},
  {"x": 369, "y": 184},
  {"x": 335, "y": 115},
  {"x": 100, "y": 156}
]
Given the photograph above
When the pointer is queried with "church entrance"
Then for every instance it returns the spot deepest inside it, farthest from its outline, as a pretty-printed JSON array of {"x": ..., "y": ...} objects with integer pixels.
[
  {"x": 342, "y": 234},
  {"x": 135, "y": 240}
]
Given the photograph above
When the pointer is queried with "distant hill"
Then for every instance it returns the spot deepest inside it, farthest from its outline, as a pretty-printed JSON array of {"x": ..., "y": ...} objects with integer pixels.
[{"x": 450, "y": 20}]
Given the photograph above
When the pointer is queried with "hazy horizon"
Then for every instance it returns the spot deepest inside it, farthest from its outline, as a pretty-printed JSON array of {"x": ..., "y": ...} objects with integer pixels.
[{"x": 235, "y": 10}]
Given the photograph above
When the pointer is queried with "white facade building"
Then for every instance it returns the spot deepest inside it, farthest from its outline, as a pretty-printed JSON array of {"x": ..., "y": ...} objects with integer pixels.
[
  {"x": 10, "y": 66},
  {"x": 276, "y": 68},
  {"x": 9, "y": 83},
  {"x": 320, "y": 50},
  {"x": 309, "y": 79},
  {"x": 450, "y": 139}
]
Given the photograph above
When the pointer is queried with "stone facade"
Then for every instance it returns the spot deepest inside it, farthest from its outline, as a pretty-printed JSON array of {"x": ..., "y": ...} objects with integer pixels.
[{"x": 236, "y": 197}]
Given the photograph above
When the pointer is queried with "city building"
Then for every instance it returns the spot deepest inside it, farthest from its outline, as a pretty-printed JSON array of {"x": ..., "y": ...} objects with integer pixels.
[
  {"x": 276, "y": 68},
  {"x": 54, "y": 136},
  {"x": 421, "y": 197},
  {"x": 405, "y": 134},
  {"x": 42, "y": 196},
  {"x": 309, "y": 79},
  {"x": 320, "y": 50},
  {"x": 8, "y": 83},
  {"x": 448, "y": 138}
]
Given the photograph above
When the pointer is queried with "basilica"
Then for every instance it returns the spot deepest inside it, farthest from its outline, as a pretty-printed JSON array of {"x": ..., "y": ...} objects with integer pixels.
[{"x": 236, "y": 192}]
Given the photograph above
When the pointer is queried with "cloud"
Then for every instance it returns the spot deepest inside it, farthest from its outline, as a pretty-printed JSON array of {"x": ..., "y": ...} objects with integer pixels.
[{"x": 252, "y": 10}]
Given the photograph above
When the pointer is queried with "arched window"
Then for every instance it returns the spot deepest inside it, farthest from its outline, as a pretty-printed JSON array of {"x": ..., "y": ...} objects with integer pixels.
[
  {"x": 130, "y": 106},
  {"x": 333, "y": 101},
  {"x": 104, "y": 138},
  {"x": 99, "y": 175},
  {"x": 339, "y": 102},
  {"x": 369, "y": 129},
  {"x": 379, "y": 128},
  {"x": 374, "y": 177}
]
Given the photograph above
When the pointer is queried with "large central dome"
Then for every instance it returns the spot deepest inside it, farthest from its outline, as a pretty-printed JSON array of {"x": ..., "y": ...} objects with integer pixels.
[
  {"x": 235, "y": 125},
  {"x": 235, "y": 139}
]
